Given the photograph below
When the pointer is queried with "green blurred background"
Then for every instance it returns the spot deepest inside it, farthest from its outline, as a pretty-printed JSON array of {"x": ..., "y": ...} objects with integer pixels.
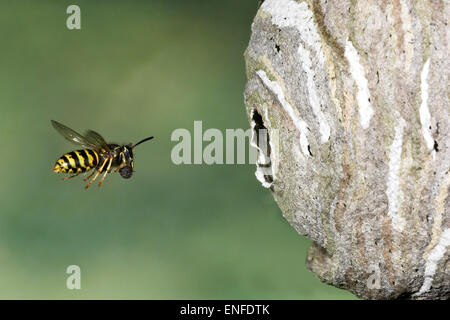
[{"x": 136, "y": 68}]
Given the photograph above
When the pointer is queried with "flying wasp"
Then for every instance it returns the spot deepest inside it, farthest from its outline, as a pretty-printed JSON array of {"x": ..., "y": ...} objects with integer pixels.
[{"x": 96, "y": 154}]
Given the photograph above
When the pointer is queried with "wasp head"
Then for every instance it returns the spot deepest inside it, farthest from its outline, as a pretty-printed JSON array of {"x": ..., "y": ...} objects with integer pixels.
[{"x": 126, "y": 156}]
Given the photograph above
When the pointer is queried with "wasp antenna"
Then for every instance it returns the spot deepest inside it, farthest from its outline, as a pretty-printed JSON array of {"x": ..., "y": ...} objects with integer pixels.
[{"x": 146, "y": 139}]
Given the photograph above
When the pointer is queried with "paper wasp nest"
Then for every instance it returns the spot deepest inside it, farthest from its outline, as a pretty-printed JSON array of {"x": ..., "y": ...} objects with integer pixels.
[{"x": 355, "y": 98}]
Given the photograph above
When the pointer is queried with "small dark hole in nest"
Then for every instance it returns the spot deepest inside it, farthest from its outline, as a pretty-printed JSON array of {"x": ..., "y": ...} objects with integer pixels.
[
  {"x": 277, "y": 47},
  {"x": 261, "y": 132},
  {"x": 259, "y": 125},
  {"x": 436, "y": 146}
]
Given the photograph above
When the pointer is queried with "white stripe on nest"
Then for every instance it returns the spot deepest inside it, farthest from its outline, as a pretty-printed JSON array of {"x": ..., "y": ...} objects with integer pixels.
[
  {"x": 432, "y": 261},
  {"x": 424, "y": 112},
  {"x": 393, "y": 191},
  {"x": 363, "y": 95}
]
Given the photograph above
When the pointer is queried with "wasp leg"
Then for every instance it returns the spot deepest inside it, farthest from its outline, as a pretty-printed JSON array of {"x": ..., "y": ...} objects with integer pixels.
[
  {"x": 106, "y": 172},
  {"x": 97, "y": 173},
  {"x": 88, "y": 177},
  {"x": 123, "y": 162},
  {"x": 67, "y": 178}
]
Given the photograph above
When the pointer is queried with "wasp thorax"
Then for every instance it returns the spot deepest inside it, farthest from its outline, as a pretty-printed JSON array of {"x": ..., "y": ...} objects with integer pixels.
[{"x": 126, "y": 172}]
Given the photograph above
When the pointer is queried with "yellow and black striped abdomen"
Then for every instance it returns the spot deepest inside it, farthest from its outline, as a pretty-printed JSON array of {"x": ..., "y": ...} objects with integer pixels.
[{"x": 77, "y": 161}]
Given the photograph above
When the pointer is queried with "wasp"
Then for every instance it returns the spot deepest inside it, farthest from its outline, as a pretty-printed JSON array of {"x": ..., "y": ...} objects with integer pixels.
[{"x": 96, "y": 154}]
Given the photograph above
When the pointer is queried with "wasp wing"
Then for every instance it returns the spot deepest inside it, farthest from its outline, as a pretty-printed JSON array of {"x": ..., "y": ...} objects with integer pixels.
[
  {"x": 95, "y": 138},
  {"x": 73, "y": 136}
]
